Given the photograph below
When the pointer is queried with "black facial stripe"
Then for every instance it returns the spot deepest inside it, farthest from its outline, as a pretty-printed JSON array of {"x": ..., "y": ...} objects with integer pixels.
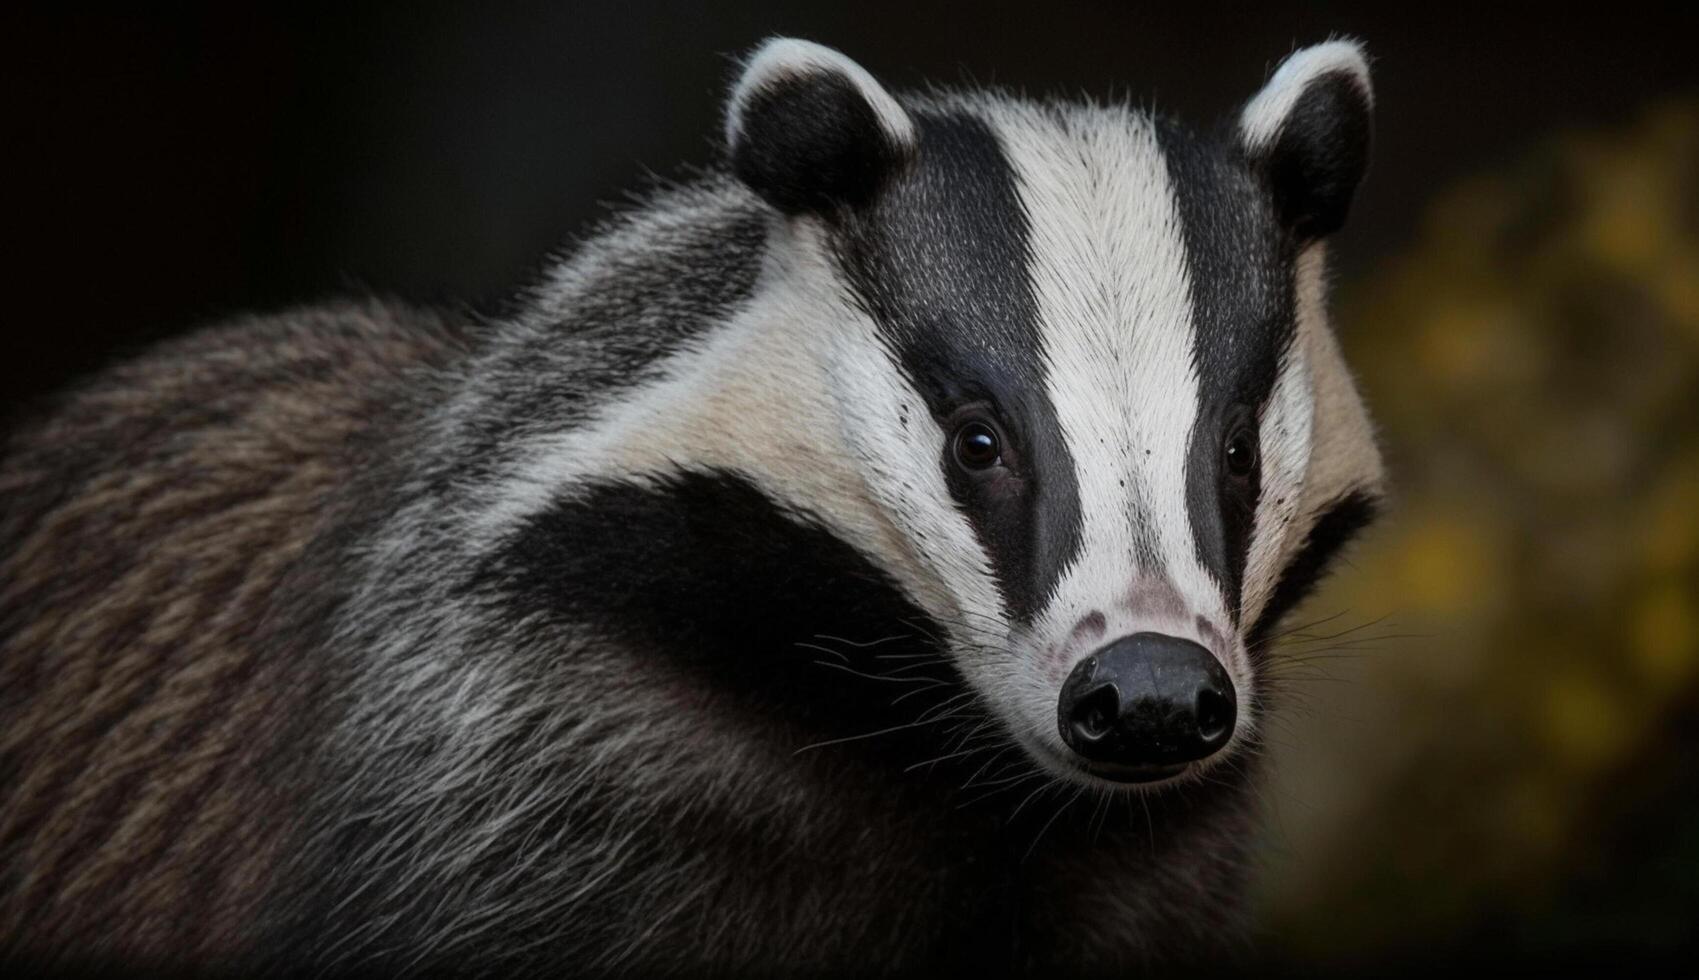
[
  {"x": 1339, "y": 523},
  {"x": 940, "y": 259},
  {"x": 1241, "y": 264}
]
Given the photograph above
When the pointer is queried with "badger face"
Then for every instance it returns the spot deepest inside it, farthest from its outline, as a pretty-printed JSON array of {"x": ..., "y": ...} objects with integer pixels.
[{"x": 1080, "y": 359}]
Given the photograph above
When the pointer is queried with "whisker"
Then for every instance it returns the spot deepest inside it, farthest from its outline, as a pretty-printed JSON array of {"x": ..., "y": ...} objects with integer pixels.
[
  {"x": 874, "y": 677},
  {"x": 1099, "y": 817},
  {"x": 911, "y": 624},
  {"x": 1305, "y": 637},
  {"x": 935, "y": 685},
  {"x": 856, "y": 738},
  {"x": 1028, "y": 799},
  {"x": 826, "y": 650},
  {"x": 943, "y": 705},
  {"x": 986, "y": 765},
  {"x": 1003, "y": 786},
  {"x": 1039, "y": 836},
  {"x": 1273, "y": 637},
  {"x": 905, "y": 668},
  {"x": 865, "y": 645}
]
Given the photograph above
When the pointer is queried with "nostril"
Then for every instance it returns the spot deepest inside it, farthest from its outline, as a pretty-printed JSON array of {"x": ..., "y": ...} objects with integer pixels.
[
  {"x": 1214, "y": 715},
  {"x": 1095, "y": 714},
  {"x": 1147, "y": 701}
]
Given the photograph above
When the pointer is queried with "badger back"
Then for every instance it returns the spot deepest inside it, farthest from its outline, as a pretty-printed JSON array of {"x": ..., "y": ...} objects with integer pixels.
[{"x": 154, "y": 578}]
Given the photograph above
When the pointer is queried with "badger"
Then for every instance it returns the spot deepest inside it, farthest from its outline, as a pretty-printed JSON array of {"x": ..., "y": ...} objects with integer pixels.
[{"x": 863, "y": 555}]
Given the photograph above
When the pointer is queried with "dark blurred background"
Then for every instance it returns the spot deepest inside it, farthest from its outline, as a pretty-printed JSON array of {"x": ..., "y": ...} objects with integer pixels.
[{"x": 1489, "y": 747}]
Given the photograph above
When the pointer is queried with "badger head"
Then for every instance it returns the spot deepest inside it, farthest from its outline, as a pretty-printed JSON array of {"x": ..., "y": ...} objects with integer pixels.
[{"x": 1078, "y": 359}]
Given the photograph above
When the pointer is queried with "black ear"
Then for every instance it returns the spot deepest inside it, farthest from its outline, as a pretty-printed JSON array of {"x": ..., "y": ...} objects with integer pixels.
[
  {"x": 810, "y": 130},
  {"x": 1308, "y": 131}
]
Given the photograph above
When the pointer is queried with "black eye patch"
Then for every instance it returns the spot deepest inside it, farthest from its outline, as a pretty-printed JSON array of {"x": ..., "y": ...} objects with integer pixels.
[
  {"x": 940, "y": 258},
  {"x": 1240, "y": 259}
]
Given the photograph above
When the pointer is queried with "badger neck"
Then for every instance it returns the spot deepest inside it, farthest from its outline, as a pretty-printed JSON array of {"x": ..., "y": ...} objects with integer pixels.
[{"x": 667, "y": 466}]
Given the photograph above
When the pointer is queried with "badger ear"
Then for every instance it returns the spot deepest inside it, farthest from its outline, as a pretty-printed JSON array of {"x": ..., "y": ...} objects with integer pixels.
[
  {"x": 1308, "y": 131},
  {"x": 809, "y": 130}
]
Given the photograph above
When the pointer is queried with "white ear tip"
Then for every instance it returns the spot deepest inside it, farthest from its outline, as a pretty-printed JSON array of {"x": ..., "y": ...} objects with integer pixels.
[
  {"x": 779, "y": 58},
  {"x": 1343, "y": 55},
  {"x": 1263, "y": 116},
  {"x": 781, "y": 50}
]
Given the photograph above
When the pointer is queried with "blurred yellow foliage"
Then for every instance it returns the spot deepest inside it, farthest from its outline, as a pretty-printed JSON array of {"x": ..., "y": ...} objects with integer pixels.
[
  {"x": 1668, "y": 526},
  {"x": 1533, "y": 362},
  {"x": 1446, "y": 565},
  {"x": 1666, "y": 636},
  {"x": 1584, "y": 725}
]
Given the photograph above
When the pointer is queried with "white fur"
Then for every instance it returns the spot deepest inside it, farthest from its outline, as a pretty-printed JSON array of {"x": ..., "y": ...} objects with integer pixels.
[
  {"x": 1263, "y": 116},
  {"x": 786, "y": 57},
  {"x": 1284, "y": 441},
  {"x": 1344, "y": 456},
  {"x": 1114, "y": 296}
]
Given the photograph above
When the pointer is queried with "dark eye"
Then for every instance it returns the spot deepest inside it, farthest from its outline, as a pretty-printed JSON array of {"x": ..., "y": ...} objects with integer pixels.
[
  {"x": 976, "y": 446},
  {"x": 1241, "y": 453}
]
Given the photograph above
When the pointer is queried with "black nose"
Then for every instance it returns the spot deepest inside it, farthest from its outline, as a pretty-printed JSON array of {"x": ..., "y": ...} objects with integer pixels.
[{"x": 1147, "y": 700}]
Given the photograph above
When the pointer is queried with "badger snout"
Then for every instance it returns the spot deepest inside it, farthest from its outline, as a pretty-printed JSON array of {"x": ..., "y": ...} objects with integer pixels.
[{"x": 1146, "y": 705}]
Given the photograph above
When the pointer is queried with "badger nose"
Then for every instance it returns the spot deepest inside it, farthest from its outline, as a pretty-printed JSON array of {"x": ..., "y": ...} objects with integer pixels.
[{"x": 1147, "y": 700}]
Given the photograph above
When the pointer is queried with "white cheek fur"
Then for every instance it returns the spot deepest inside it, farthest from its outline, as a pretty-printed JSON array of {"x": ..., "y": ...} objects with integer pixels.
[
  {"x": 1344, "y": 456},
  {"x": 1284, "y": 448}
]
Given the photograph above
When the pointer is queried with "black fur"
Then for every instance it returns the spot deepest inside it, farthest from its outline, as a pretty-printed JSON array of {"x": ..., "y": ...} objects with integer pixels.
[
  {"x": 1240, "y": 260},
  {"x": 870, "y": 853},
  {"x": 1319, "y": 156},
  {"x": 1341, "y": 521},
  {"x": 757, "y": 637},
  {"x": 940, "y": 258},
  {"x": 809, "y": 141}
]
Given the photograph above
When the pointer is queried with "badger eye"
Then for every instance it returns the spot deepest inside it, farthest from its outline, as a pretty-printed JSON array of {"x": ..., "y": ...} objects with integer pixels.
[
  {"x": 1241, "y": 453},
  {"x": 976, "y": 446}
]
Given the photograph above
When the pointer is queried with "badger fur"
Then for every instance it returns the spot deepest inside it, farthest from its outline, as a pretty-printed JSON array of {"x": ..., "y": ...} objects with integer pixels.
[{"x": 712, "y": 610}]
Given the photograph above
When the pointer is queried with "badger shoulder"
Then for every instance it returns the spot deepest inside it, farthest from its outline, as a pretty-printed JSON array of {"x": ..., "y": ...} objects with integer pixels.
[
  {"x": 179, "y": 536},
  {"x": 151, "y": 518}
]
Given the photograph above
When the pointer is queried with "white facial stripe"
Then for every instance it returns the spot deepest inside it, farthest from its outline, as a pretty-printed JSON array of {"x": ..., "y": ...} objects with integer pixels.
[
  {"x": 1284, "y": 446},
  {"x": 899, "y": 449},
  {"x": 754, "y": 398},
  {"x": 1109, "y": 274}
]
